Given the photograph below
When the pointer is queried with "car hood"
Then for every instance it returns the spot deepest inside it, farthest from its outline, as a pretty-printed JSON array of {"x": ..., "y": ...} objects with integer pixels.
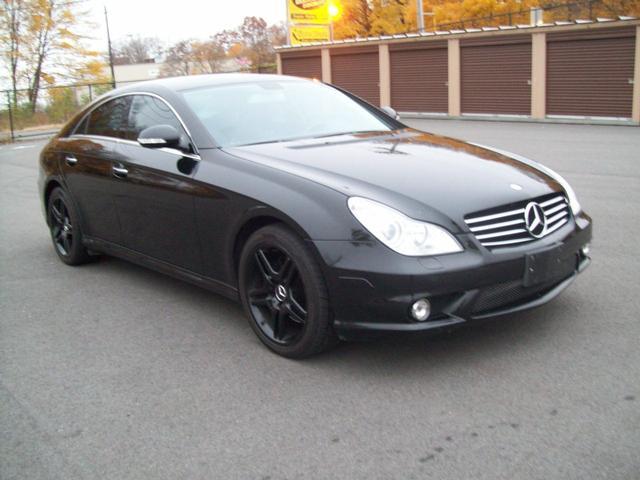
[{"x": 426, "y": 176}]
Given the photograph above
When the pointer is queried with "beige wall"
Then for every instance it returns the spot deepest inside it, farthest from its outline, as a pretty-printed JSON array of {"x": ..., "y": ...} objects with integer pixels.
[
  {"x": 454, "y": 77},
  {"x": 325, "y": 58},
  {"x": 136, "y": 71},
  {"x": 538, "y": 75},
  {"x": 385, "y": 75}
]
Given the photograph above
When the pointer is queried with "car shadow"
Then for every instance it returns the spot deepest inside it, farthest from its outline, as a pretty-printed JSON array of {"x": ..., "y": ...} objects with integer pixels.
[{"x": 396, "y": 355}]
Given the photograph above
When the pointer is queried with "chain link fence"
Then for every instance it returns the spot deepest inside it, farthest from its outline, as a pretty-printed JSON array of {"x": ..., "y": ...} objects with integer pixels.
[{"x": 20, "y": 118}]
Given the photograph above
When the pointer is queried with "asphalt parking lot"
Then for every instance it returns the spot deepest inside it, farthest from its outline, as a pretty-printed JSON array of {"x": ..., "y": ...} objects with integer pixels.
[{"x": 112, "y": 371}]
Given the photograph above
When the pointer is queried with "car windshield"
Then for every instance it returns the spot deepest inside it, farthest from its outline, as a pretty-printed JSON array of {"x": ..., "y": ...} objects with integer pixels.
[{"x": 273, "y": 111}]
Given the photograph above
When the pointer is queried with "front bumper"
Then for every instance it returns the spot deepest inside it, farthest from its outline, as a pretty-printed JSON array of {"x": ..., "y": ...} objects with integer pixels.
[{"x": 372, "y": 288}]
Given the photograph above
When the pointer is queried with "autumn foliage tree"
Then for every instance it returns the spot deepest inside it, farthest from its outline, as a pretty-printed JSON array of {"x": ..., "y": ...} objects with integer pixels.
[
  {"x": 393, "y": 16},
  {"x": 41, "y": 41},
  {"x": 355, "y": 20},
  {"x": 251, "y": 43},
  {"x": 361, "y": 18}
]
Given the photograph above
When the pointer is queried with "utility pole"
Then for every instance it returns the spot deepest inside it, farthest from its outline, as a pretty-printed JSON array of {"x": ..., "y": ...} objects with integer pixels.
[
  {"x": 420, "y": 16},
  {"x": 113, "y": 75},
  {"x": 11, "y": 126}
]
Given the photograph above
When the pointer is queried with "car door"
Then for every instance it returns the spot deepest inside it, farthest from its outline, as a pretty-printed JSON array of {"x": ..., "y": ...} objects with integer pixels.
[
  {"x": 156, "y": 189},
  {"x": 86, "y": 159}
]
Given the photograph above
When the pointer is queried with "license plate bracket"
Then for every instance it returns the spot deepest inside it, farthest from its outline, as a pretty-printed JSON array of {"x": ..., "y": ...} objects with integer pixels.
[{"x": 552, "y": 263}]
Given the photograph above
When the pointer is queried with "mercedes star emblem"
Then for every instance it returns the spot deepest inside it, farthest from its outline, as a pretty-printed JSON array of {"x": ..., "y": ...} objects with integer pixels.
[{"x": 535, "y": 220}]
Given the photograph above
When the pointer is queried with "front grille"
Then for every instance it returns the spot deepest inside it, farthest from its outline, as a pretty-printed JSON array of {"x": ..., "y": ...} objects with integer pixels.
[
  {"x": 506, "y": 225},
  {"x": 507, "y": 294}
]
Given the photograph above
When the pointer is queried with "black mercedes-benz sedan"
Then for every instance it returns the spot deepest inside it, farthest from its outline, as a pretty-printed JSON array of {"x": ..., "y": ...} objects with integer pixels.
[{"x": 324, "y": 215}]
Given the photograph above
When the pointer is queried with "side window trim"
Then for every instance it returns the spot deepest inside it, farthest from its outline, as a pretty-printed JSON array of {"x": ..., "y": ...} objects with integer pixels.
[
  {"x": 82, "y": 120},
  {"x": 88, "y": 113},
  {"x": 149, "y": 94}
]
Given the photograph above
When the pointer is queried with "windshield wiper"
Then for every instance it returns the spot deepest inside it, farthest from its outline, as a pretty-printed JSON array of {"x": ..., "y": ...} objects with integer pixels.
[
  {"x": 354, "y": 132},
  {"x": 314, "y": 138},
  {"x": 265, "y": 142}
]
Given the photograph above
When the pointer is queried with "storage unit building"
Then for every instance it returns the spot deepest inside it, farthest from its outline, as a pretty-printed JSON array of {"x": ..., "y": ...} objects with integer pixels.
[
  {"x": 581, "y": 69},
  {"x": 590, "y": 73},
  {"x": 356, "y": 69},
  {"x": 495, "y": 75},
  {"x": 306, "y": 63},
  {"x": 419, "y": 76}
]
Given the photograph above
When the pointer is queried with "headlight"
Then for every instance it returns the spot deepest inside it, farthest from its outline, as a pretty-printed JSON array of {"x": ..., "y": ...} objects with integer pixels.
[{"x": 401, "y": 233}]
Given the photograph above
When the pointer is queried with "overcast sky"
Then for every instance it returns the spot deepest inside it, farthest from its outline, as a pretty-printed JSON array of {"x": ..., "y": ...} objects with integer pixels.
[{"x": 176, "y": 20}]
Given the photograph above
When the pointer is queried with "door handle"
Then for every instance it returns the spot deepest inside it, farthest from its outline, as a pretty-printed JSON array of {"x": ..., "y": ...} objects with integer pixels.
[
  {"x": 119, "y": 171},
  {"x": 70, "y": 160}
]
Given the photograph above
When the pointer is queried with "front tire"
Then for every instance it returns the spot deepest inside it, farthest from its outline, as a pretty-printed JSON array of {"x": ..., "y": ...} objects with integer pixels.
[
  {"x": 64, "y": 226},
  {"x": 283, "y": 293}
]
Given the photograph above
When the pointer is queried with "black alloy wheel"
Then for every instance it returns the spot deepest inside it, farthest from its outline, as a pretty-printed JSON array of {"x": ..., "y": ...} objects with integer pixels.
[
  {"x": 276, "y": 296},
  {"x": 61, "y": 228},
  {"x": 283, "y": 293},
  {"x": 65, "y": 229}
]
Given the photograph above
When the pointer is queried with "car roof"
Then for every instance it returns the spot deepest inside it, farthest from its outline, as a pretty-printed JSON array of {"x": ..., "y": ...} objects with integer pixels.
[{"x": 199, "y": 81}]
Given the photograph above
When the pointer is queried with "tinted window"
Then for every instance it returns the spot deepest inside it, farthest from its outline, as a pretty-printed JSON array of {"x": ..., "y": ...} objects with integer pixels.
[
  {"x": 269, "y": 111},
  {"x": 82, "y": 128},
  {"x": 110, "y": 119},
  {"x": 148, "y": 111}
]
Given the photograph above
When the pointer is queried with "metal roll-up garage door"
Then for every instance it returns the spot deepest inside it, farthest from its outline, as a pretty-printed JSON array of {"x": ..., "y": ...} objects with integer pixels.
[
  {"x": 302, "y": 64},
  {"x": 590, "y": 74},
  {"x": 495, "y": 75},
  {"x": 419, "y": 75},
  {"x": 357, "y": 70}
]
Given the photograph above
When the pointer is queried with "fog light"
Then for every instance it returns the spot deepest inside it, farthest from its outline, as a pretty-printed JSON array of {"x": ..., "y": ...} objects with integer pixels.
[
  {"x": 421, "y": 310},
  {"x": 585, "y": 250}
]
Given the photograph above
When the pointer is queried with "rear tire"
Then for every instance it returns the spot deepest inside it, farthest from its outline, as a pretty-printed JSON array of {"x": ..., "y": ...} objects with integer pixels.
[
  {"x": 64, "y": 226},
  {"x": 283, "y": 293}
]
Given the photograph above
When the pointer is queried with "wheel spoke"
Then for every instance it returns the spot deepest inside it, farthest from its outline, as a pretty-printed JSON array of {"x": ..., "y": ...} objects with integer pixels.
[
  {"x": 66, "y": 243},
  {"x": 279, "y": 324},
  {"x": 57, "y": 214},
  {"x": 297, "y": 313},
  {"x": 260, "y": 297},
  {"x": 287, "y": 272},
  {"x": 267, "y": 271},
  {"x": 57, "y": 232}
]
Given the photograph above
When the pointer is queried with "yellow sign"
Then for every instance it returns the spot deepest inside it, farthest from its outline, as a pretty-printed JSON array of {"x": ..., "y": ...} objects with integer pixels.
[
  {"x": 308, "y": 11},
  {"x": 308, "y": 33}
]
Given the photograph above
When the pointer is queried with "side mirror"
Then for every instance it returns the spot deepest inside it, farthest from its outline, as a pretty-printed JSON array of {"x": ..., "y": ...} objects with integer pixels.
[
  {"x": 391, "y": 112},
  {"x": 159, "y": 136}
]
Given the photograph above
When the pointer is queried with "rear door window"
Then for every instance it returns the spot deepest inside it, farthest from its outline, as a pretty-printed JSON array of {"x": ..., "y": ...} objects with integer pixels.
[{"x": 110, "y": 119}]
